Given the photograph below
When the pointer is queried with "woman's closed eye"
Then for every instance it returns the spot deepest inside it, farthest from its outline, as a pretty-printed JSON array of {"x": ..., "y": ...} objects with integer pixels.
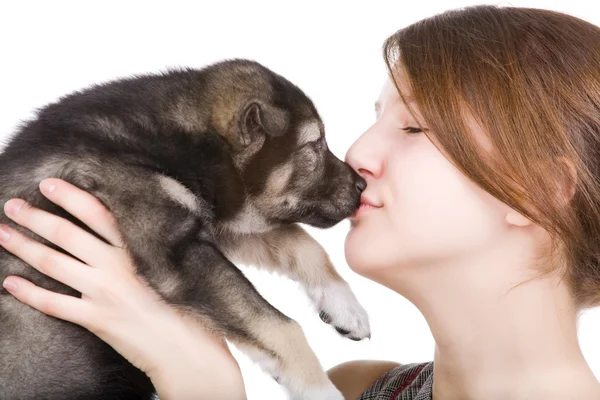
[{"x": 412, "y": 130}]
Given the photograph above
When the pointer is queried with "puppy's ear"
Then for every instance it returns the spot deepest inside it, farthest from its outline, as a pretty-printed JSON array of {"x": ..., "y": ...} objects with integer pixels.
[{"x": 261, "y": 118}]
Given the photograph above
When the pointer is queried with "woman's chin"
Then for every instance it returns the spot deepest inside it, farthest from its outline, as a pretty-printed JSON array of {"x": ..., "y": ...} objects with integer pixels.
[{"x": 358, "y": 250}]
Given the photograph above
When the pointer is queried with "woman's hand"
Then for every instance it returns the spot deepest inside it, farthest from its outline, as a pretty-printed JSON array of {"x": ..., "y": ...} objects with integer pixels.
[{"x": 181, "y": 358}]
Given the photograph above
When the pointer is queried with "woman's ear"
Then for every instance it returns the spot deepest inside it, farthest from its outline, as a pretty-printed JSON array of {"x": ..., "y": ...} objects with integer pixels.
[
  {"x": 564, "y": 174},
  {"x": 516, "y": 219}
]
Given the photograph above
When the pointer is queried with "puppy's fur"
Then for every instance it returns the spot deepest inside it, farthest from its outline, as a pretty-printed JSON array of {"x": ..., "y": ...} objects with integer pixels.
[{"x": 201, "y": 168}]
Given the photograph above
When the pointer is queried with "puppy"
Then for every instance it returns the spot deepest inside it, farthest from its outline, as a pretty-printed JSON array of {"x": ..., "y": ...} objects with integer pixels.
[{"x": 201, "y": 169}]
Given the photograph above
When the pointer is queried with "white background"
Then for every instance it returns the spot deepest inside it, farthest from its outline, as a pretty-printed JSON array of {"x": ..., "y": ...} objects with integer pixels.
[{"x": 332, "y": 50}]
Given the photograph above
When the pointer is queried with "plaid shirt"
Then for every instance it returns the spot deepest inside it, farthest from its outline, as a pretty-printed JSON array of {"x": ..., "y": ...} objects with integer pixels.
[{"x": 405, "y": 382}]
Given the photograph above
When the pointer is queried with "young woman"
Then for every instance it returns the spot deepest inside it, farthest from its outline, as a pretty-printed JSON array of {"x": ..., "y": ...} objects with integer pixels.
[{"x": 482, "y": 208}]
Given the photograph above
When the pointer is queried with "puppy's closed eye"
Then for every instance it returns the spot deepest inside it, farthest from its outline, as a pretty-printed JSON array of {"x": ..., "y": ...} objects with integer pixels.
[{"x": 320, "y": 144}]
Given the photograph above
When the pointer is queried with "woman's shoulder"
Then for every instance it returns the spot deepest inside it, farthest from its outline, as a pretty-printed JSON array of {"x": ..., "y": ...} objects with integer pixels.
[{"x": 383, "y": 380}]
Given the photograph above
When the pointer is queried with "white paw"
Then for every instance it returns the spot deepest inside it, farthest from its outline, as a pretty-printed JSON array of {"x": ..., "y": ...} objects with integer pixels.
[
  {"x": 327, "y": 392},
  {"x": 338, "y": 306}
]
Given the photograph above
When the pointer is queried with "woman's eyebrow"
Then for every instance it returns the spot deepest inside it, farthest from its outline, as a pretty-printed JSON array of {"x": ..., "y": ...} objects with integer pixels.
[
  {"x": 407, "y": 97},
  {"x": 377, "y": 106}
]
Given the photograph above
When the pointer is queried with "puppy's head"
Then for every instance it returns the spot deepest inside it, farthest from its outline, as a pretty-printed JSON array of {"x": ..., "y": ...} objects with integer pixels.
[{"x": 278, "y": 145}]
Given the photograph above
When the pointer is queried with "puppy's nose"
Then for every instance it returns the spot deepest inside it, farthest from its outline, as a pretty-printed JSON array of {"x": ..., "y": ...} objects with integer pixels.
[{"x": 361, "y": 184}]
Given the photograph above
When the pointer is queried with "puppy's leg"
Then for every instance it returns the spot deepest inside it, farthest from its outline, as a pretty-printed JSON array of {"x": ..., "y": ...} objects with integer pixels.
[
  {"x": 167, "y": 233},
  {"x": 291, "y": 251},
  {"x": 230, "y": 306}
]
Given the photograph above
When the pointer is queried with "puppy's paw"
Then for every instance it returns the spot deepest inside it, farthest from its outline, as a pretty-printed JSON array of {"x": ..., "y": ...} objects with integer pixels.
[{"x": 339, "y": 307}]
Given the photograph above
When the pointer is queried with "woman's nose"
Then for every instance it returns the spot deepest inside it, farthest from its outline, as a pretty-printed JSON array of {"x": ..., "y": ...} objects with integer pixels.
[{"x": 365, "y": 157}]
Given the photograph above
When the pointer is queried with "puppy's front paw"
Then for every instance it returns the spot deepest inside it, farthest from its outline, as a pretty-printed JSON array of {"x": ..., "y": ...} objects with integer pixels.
[{"x": 339, "y": 307}]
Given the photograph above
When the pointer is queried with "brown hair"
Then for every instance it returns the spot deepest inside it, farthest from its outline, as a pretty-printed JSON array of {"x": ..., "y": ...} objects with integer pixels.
[{"x": 530, "y": 79}]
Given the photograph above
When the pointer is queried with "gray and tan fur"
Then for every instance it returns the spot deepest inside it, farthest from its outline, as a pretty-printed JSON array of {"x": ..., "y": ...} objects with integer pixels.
[{"x": 201, "y": 168}]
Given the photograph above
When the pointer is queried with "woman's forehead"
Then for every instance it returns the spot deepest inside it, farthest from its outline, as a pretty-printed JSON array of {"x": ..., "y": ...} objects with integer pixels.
[
  {"x": 389, "y": 92},
  {"x": 389, "y": 97}
]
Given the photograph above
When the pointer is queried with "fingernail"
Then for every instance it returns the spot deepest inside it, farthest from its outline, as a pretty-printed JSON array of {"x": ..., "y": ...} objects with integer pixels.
[
  {"x": 13, "y": 206},
  {"x": 47, "y": 186},
  {"x": 9, "y": 285},
  {"x": 4, "y": 233}
]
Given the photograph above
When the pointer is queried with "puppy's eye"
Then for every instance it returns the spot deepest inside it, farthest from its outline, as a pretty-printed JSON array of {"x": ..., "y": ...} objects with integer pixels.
[{"x": 321, "y": 144}]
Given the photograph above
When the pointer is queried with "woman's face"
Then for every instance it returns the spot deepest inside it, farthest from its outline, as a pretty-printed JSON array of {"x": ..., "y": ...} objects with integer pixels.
[{"x": 418, "y": 208}]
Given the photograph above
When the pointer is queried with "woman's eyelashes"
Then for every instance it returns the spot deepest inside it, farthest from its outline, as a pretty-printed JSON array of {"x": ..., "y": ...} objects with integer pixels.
[{"x": 412, "y": 130}]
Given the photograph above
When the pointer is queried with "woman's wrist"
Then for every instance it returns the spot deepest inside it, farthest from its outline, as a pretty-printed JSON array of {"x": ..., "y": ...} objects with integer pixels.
[
  {"x": 191, "y": 363},
  {"x": 183, "y": 360}
]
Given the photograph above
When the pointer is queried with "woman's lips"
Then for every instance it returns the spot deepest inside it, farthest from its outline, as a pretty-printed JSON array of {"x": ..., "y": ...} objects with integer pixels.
[{"x": 363, "y": 209}]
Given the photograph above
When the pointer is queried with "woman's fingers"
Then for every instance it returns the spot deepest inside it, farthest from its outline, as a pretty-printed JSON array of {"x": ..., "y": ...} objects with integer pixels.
[
  {"x": 57, "y": 230},
  {"x": 61, "y": 306},
  {"x": 48, "y": 261},
  {"x": 83, "y": 206}
]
